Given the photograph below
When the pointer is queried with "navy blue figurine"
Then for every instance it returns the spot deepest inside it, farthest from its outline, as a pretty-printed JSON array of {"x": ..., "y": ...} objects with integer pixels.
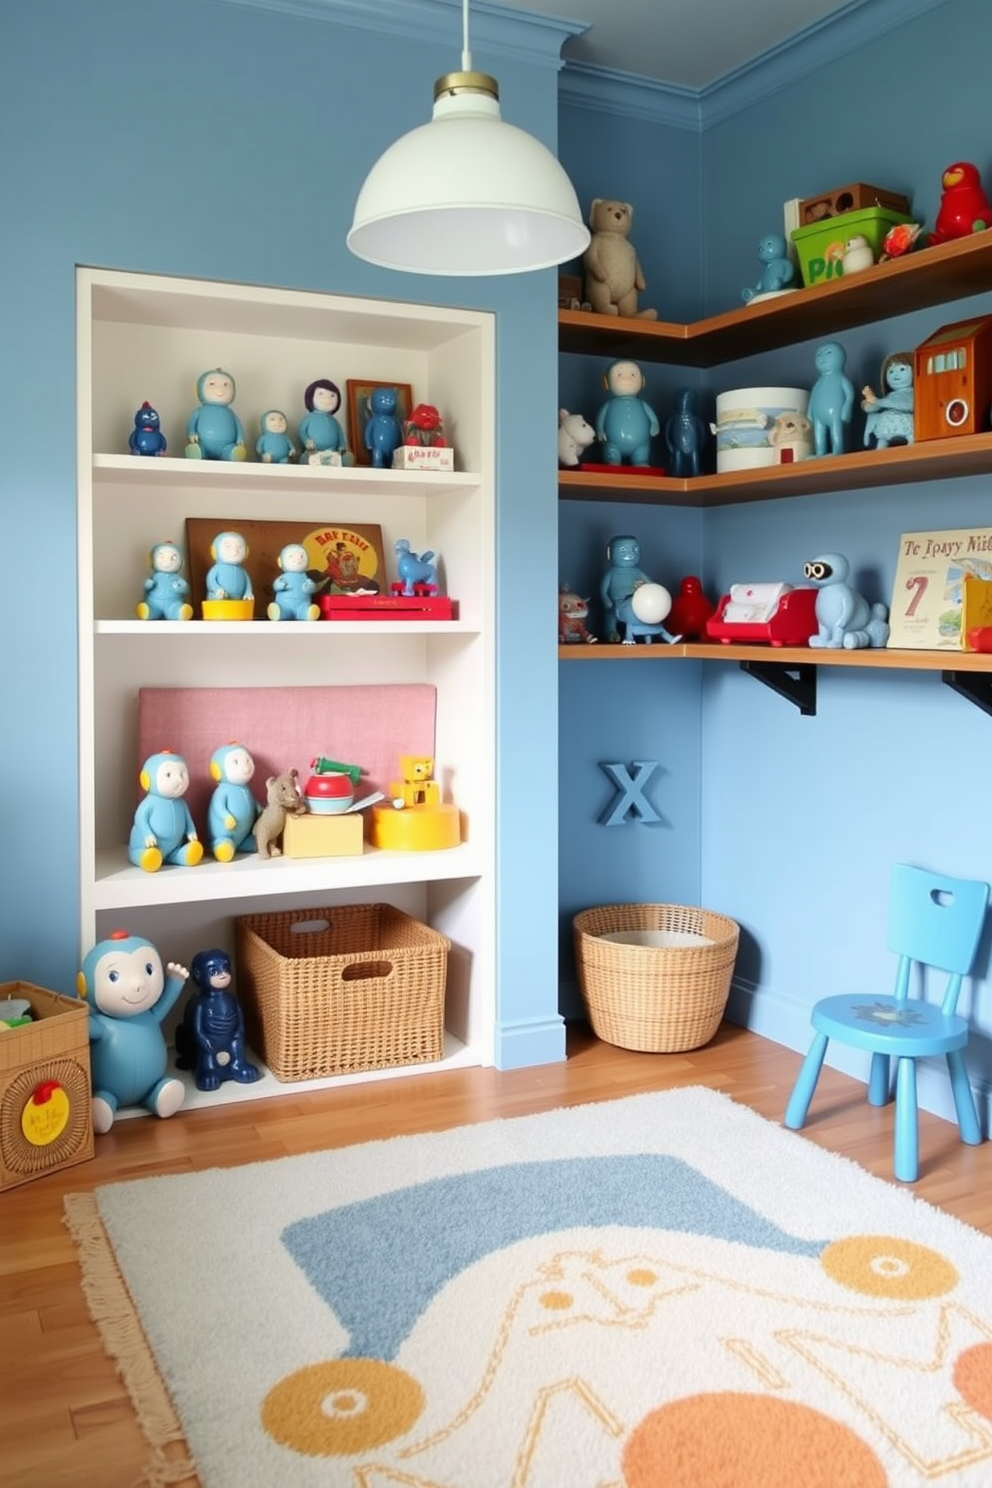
[
  {"x": 210, "y": 1040},
  {"x": 831, "y": 401},
  {"x": 146, "y": 438},
  {"x": 685, "y": 432},
  {"x": 383, "y": 430}
]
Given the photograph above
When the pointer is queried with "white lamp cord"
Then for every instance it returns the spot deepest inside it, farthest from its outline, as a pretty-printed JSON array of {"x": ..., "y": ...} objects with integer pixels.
[{"x": 466, "y": 54}]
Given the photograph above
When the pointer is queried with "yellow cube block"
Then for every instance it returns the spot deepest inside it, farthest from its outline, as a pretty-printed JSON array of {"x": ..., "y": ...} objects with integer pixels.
[{"x": 313, "y": 836}]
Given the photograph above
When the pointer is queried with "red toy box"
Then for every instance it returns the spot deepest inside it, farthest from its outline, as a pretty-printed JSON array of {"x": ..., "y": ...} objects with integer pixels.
[{"x": 776, "y": 614}]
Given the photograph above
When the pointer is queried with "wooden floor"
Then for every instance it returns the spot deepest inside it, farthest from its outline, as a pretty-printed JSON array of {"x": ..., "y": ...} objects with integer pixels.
[{"x": 64, "y": 1417}]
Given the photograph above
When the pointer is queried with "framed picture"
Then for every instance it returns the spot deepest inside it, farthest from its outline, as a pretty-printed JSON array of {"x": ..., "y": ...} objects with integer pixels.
[
  {"x": 345, "y": 558},
  {"x": 358, "y": 403}
]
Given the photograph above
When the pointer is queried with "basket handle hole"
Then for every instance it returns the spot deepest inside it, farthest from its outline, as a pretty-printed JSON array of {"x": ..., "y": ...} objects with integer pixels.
[
  {"x": 359, "y": 971},
  {"x": 309, "y": 927}
]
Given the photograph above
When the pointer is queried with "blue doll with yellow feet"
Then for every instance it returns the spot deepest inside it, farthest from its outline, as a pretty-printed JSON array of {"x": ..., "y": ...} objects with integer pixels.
[
  {"x": 163, "y": 829},
  {"x": 214, "y": 431},
  {"x": 233, "y": 810}
]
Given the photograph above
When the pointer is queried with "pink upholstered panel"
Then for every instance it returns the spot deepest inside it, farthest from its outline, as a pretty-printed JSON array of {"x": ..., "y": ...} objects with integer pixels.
[{"x": 285, "y": 726}]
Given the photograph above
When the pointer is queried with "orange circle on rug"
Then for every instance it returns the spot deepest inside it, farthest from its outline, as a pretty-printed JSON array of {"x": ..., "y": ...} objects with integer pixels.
[
  {"x": 973, "y": 1378},
  {"x": 885, "y": 1266},
  {"x": 731, "y": 1438},
  {"x": 342, "y": 1406}
]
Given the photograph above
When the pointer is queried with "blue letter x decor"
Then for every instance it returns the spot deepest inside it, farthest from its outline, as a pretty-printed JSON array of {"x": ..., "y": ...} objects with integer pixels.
[{"x": 629, "y": 803}]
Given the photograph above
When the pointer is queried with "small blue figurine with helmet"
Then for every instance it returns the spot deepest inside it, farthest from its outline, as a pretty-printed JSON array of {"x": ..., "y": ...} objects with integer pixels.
[
  {"x": 214, "y": 431},
  {"x": 626, "y": 424},
  {"x": 233, "y": 810},
  {"x": 163, "y": 830},
  {"x": 210, "y": 1040},
  {"x": 130, "y": 994},
  {"x": 166, "y": 591}
]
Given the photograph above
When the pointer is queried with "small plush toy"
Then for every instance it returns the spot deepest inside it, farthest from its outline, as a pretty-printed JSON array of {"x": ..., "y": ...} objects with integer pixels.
[
  {"x": 233, "y": 810},
  {"x": 273, "y": 445},
  {"x": 165, "y": 588},
  {"x": 613, "y": 274},
  {"x": 575, "y": 434},
  {"x": 282, "y": 799},
  {"x": 163, "y": 829},
  {"x": 214, "y": 430},
  {"x": 210, "y": 1040},
  {"x": 129, "y": 996},
  {"x": 294, "y": 588},
  {"x": 146, "y": 438}
]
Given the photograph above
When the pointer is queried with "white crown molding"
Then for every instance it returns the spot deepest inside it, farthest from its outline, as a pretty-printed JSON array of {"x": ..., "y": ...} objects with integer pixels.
[
  {"x": 494, "y": 29},
  {"x": 606, "y": 91}
]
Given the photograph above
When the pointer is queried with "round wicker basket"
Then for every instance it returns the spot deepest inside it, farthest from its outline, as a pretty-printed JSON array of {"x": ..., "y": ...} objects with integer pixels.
[{"x": 657, "y": 999}]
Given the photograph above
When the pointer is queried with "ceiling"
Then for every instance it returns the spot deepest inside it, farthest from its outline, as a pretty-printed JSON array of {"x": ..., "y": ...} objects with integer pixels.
[{"x": 688, "y": 43}]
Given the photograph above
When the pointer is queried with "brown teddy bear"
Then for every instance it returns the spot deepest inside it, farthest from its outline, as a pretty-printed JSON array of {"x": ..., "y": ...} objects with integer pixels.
[
  {"x": 284, "y": 800},
  {"x": 613, "y": 274}
]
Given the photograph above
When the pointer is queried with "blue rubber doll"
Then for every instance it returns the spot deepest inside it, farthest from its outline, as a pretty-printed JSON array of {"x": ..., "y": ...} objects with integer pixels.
[
  {"x": 831, "y": 401},
  {"x": 166, "y": 591},
  {"x": 778, "y": 270},
  {"x": 626, "y": 424},
  {"x": 319, "y": 431},
  {"x": 383, "y": 430},
  {"x": 129, "y": 995},
  {"x": 210, "y": 1040},
  {"x": 293, "y": 590},
  {"x": 273, "y": 445},
  {"x": 227, "y": 578},
  {"x": 233, "y": 810},
  {"x": 163, "y": 830},
  {"x": 214, "y": 430},
  {"x": 146, "y": 438}
]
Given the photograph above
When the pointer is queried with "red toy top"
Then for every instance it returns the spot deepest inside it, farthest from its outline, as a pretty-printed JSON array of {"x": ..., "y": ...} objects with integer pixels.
[{"x": 964, "y": 207}]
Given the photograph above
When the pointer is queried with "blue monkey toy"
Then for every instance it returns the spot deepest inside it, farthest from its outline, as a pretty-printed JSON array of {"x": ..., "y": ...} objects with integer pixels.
[
  {"x": 214, "y": 431},
  {"x": 210, "y": 1040},
  {"x": 844, "y": 617},
  {"x": 233, "y": 810},
  {"x": 166, "y": 591},
  {"x": 129, "y": 996},
  {"x": 163, "y": 830}
]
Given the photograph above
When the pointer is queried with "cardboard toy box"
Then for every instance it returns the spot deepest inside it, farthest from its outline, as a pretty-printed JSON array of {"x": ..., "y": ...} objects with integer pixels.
[
  {"x": 424, "y": 457},
  {"x": 45, "y": 1088},
  {"x": 821, "y": 247},
  {"x": 315, "y": 836},
  {"x": 856, "y": 197}
]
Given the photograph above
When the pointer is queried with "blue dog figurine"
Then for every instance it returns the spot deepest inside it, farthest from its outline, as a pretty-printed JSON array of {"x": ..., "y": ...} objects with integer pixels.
[
  {"x": 415, "y": 570},
  {"x": 844, "y": 617}
]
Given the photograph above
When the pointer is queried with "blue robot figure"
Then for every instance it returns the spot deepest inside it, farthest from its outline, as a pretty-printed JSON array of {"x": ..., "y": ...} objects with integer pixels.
[
  {"x": 228, "y": 578},
  {"x": 630, "y": 598},
  {"x": 685, "y": 435},
  {"x": 214, "y": 430},
  {"x": 844, "y": 617},
  {"x": 163, "y": 829},
  {"x": 383, "y": 430},
  {"x": 146, "y": 438},
  {"x": 777, "y": 271},
  {"x": 233, "y": 810},
  {"x": 273, "y": 445},
  {"x": 626, "y": 424},
  {"x": 319, "y": 431},
  {"x": 831, "y": 401},
  {"x": 294, "y": 588},
  {"x": 210, "y": 1040},
  {"x": 166, "y": 591},
  {"x": 416, "y": 571},
  {"x": 129, "y": 995}
]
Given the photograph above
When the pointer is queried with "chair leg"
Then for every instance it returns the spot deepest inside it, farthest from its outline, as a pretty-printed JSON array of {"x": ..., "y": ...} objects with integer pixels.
[
  {"x": 907, "y": 1154},
  {"x": 964, "y": 1101},
  {"x": 802, "y": 1091},
  {"x": 878, "y": 1081}
]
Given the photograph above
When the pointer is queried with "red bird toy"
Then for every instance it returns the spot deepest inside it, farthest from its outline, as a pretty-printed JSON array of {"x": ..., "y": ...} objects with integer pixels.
[
  {"x": 964, "y": 207},
  {"x": 690, "y": 610}
]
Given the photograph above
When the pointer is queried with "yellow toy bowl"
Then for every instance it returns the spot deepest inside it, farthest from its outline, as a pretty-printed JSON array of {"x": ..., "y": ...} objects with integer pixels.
[
  {"x": 415, "y": 828},
  {"x": 228, "y": 609}
]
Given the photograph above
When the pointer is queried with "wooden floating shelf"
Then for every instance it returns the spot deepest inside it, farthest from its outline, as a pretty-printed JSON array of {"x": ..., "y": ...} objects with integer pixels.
[
  {"x": 932, "y": 276},
  {"x": 870, "y": 657}
]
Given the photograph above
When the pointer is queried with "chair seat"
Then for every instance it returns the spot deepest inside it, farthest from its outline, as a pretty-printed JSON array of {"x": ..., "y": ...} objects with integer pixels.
[{"x": 910, "y": 1029}]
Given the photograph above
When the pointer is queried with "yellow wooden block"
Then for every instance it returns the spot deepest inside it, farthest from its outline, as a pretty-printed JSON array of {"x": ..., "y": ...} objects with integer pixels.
[
  {"x": 313, "y": 836},
  {"x": 415, "y": 828}
]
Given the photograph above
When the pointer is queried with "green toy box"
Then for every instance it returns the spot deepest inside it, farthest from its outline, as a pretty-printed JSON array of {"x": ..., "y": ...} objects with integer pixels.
[{"x": 821, "y": 246}]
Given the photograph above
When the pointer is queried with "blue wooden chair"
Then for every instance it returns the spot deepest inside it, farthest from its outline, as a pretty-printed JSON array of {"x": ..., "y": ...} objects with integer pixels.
[{"x": 934, "y": 922}]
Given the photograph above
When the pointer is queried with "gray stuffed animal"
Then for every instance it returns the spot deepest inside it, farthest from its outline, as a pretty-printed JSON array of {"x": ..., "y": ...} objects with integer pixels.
[{"x": 283, "y": 797}]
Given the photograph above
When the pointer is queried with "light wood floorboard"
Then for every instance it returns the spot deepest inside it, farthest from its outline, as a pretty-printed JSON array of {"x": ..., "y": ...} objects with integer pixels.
[{"x": 65, "y": 1421}]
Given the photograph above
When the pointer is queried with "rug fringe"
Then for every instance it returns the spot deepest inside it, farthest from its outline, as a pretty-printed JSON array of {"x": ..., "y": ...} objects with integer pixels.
[{"x": 123, "y": 1338}]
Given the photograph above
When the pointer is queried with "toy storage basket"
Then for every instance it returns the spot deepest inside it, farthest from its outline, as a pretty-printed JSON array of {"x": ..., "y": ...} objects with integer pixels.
[
  {"x": 336, "y": 991},
  {"x": 50, "y": 1058},
  {"x": 656, "y": 998}
]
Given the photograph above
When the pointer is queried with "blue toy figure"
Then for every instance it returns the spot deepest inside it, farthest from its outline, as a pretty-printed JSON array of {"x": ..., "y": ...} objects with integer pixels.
[
  {"x": 777, "y": 272},
  {"x": 233, "y": 810},
  {"x": 214, "y": 430},
  {"x": 228, "y": 578},
  {"x": 294, "y": 587},
  {"x": 210, "y": 1040},
  {"x": 831, "y": 401},
  {"x": 844, "y": 617},
  {"x": 166, "y": 590},
  {"x": 163, "y": 830},
  {"x": 273, "y": 445},
  {"x": 146, "y": 438},
  {"x": 129, "y": 996},
  {"x": 383, "y": 430},
  {"x": 890, "y": 415},
  {"x": 685, "y": 434},
  {"x": 417, "y": 571},
  {"x": 626, "y": 424},
  {"x": 630, "y": 598},
  {"x": 319, "y": 431}
]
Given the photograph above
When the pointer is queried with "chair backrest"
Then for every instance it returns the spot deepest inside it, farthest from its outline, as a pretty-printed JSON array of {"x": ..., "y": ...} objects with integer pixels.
[{"x": 936, "y": 921}]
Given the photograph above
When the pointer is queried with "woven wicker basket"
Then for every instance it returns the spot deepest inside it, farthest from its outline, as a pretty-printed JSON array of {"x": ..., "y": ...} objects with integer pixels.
[
  {"x": 335, "y": 991},
  {"x": 656, "y": 999},
  {"x": 55, "y": 1046}
]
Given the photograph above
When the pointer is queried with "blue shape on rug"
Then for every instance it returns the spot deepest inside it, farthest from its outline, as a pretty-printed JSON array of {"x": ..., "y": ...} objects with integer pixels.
[{"x": 378, "y": 1263}]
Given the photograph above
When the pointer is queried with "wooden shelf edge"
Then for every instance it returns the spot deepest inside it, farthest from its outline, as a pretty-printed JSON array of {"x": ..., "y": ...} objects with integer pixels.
[{"x": 894, "y": 659}]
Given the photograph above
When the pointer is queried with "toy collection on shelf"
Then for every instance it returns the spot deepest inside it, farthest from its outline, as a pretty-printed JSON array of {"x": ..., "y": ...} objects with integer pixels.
[{"x": 942, "y": 388}]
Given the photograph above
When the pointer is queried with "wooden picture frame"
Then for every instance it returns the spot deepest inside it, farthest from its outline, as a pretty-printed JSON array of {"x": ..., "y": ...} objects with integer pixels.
[
  {"x": 358, "y": 398},
  {"x": 346, "y": 557}
]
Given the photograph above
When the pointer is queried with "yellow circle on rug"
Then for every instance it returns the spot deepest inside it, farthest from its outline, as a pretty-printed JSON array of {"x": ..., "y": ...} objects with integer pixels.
[
  {"x": 729, "y": 1439},
  {"x": 341, "y": 1406},
  {"x": 885, "y": 1266}
]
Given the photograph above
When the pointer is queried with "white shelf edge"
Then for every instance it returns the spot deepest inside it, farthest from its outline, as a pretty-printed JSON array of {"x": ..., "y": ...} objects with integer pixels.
[
  {"x": 293, "y": 629},
  {"x": 133, "y": 470},
  {"x": 119, "y": 885}
]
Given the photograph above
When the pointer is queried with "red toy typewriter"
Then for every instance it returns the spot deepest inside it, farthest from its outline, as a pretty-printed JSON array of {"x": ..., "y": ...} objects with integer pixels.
[{"x": 777, "y": 614}]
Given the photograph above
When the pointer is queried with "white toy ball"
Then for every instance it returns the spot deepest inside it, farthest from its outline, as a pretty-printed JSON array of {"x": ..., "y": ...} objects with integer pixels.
[{"x": 651, "y": 603}]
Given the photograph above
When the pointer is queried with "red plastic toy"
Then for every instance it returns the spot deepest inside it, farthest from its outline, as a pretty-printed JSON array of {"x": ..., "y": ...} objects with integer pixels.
[
  {"x": 964, "y": 207},
  {"x": 790, "y": 621},
  {"x": 690, "y": 610}
]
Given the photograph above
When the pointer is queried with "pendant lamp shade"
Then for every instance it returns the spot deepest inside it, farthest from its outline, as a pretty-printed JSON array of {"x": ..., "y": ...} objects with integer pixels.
[{"x": 467, "y": 194}]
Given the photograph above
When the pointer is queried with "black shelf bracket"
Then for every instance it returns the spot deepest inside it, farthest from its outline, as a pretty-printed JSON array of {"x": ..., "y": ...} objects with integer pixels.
[
  {"x": 794, "y": 681},
  {"x": 975, "y": 686}
]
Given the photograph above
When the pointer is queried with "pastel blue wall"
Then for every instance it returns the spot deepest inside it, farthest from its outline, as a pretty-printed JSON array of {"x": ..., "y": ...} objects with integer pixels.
[{"x": 229, "y": 141}]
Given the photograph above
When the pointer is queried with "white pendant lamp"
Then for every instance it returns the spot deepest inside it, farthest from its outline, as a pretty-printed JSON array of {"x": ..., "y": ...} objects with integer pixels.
[{"x": 467, "y": 194}]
